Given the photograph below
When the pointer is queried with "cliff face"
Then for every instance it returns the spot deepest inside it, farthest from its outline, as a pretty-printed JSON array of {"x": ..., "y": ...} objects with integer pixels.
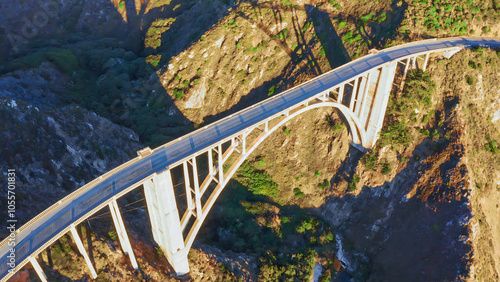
[{"x": 53, "y": 148}]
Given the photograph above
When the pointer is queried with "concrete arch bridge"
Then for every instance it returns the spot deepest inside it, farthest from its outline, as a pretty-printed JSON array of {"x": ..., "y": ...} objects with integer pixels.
[{"x": 359, "y": 90}]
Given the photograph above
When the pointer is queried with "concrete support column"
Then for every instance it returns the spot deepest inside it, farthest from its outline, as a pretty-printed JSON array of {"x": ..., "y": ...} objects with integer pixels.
[
  {"x": 426, "y": 61},
  {"x": 165, "y": 222},
  {"x": 122, "y": 232},
  {"x": 79, "y": 244},
  {"x": 353, "y": 96},
  {"x": 341, "y": 93},
  {"x": 365, "y": 95},
  {"x": 197, "y": 194},
  {"x": 243, "y": 143},
  {"x": 189, "y": 192},
  {"x": 210, "y": 162},
  {"x": 38, "y": 269},
  {"x": 266, "y": 126},
  {"x": 407, "y": 65},
  {"x": 384, "y": 90},
  {"x": 220, "y": 163}
]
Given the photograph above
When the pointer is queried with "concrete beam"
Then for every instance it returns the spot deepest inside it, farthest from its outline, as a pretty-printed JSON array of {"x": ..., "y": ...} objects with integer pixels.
[
  {"x": 189, "y": 191},
  {"x": 220, "y": 164},
  {"x": 363, "y": 99},
  {"x": 426, "y": 61},
  {"x": 79, "y": 244},
  {"x": 38, "y": 269},
  {"x": 341, "y": 93},
  {"x": 122, "y": 232},
  {"x": 353, "y": 95},
  {"x": 197, "y": 194}
]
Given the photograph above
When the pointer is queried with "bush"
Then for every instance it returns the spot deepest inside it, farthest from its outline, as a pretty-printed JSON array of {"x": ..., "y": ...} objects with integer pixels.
[
  {"x": 470, "y": 80},
  {"x": 311, "y": 224},
  {"x": 258, "y": 182},
  {"x": 324, "y": 184},
  {"x": 370, "y": 159},
  {"x": 386, "y": 168},
  {"x": 492, "y": 146},
  {"x": 355, "y": 180},
  {"x": 298, "y": 193},
  {"x": 417, "y": 94},
  {"x": 287, "y": 131}
]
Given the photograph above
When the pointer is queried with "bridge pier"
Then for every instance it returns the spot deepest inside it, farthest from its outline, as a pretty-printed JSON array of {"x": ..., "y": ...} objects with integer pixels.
[
  {"x": 165, "y": 222},
  {"x": 383, "y": 90},
  {"x": 122, "y": 232}
]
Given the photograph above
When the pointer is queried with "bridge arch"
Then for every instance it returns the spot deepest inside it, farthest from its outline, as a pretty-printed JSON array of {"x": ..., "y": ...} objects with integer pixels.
[{"x": 353, "y": 128}]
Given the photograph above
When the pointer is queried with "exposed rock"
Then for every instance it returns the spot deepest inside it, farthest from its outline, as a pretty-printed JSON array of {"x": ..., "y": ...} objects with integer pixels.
[{"x": 242, "y": 265}]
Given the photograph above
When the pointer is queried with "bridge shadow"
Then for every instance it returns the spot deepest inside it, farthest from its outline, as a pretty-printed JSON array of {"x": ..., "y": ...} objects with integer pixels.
[
  {"x": 330, "y": 41},
  {"x": 302, "y": 62}
]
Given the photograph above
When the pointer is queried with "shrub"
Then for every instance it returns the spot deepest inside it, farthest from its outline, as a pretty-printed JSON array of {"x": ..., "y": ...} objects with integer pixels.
[
  {"x": 258, "y": 182},
  {"x": 492, "y": 146},
  {"x": 370, "y": 159},
  {"x": 298, "y": 193},
  {"x": 159, "y": 251},
  {"x": 470, "y": 80},
  {"x": 417, "y": 94},
  {"x": 287, "y": 131},
  {"x": 271, "y": 90},
  {"x": 386, "y": 168},
  {"x": 112, "y": 235},
  {"x": 355, "y": 180},
  {"x": 311, "y": 224},
  {"x": 324, "y": 184}
]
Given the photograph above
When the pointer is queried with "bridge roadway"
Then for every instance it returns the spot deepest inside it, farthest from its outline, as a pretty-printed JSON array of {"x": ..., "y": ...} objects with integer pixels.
[{"x": 44, "y": 229}]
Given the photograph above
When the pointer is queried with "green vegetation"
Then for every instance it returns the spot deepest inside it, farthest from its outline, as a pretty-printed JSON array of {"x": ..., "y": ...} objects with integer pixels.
[
  {"x": 291, "y": 267},
  {"x": 112, "y": 235},
  {"x": 159, "y": 252},
  {"x": 311, "y": 224},
  {"x": 492, "y": 146},
  {"x": 470, "y": 80},
  {"x": 450, "y": 18},
  {"x": 287, "y": 131},
  {"x": 258, "y": 182},
  {"x": 416, "y": 96},
  {"x": 64, "y": 60},
  {"x": 154, "y": 60},
  {"x": 386, "y": 168},
  {"x": 367, "y": 17},
  {"x": 354, "y": 181},
  {"x": 155, "y": 31},
  {"x": 298, "y": 193},
  {"x": 271, "y": 90},
  {"x": 324, "y": 184},
  {"x": 370, "y": 159}
]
